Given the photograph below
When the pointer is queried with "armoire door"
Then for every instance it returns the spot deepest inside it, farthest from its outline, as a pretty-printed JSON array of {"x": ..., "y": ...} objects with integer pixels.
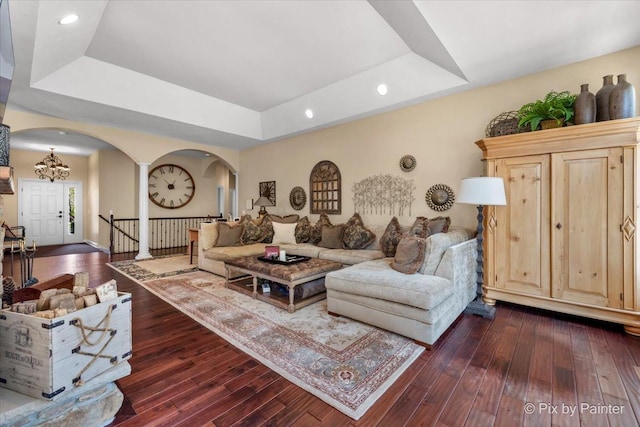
[
  {"x": 522, "y": 230},
  {"x": 587, "y": 203}
]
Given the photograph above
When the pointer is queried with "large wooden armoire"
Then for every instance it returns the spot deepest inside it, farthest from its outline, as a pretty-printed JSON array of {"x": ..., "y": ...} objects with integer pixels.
[{"x": 567, "y": 239}]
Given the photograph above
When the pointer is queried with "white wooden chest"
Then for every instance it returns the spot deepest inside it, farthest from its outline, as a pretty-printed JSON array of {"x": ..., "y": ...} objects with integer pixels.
[{"x": 43, "y": 358}]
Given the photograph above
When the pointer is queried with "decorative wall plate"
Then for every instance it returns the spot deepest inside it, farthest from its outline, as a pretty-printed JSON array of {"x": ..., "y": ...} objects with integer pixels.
[
  {"x": 297, "y": 198},
  {"x": 407, "y": 163},
  {"x": 440, "y": 197}
]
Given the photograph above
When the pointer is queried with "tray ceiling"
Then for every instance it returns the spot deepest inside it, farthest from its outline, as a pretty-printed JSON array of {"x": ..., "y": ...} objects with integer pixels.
[{"x": 241, "y": 73}]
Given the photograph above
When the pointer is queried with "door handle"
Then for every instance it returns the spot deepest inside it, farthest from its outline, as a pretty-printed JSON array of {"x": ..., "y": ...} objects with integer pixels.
[{"x": 558, "y": 226}]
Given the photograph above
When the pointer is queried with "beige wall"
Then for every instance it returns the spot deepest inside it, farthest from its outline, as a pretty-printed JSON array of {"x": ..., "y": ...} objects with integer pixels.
[
  {"x": 440, "y": 134},
  {"x": 116, "y": 190}
]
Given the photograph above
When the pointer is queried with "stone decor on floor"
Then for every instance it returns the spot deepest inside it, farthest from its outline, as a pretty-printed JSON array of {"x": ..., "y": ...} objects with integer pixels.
[
  {"x": 345, "y": 363},
  {"x": 93, "y": 404}
]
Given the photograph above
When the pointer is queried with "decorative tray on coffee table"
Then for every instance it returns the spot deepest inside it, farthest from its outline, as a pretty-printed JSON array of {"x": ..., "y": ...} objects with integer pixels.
[{"x": 291, "y": 259}]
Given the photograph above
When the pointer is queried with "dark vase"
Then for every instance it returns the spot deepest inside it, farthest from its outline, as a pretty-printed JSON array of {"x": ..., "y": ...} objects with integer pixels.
[
  {"x": 585, "y": 106},
  {"x": 622, "y": 99},
  {"x": 602, "y": 98}
]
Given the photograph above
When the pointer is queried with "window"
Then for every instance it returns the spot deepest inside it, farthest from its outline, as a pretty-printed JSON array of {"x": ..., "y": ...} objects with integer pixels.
[{"x": 325, "y": 188}]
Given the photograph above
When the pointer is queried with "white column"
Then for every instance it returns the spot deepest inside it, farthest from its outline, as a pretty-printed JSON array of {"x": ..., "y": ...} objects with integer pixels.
[
  {"x": 143, "y": 215},
  {"x": 237, "y": 208}
]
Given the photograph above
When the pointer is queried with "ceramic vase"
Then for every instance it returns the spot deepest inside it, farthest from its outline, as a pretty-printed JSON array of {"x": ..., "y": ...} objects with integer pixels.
[
  {"x": 585, "y": 106},
  {"x": 602, "y": 98},
  {"x": 622, "y": 99}
]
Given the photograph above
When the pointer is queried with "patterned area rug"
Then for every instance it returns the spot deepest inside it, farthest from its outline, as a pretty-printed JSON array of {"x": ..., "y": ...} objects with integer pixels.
[{"x": 347, "y": 364}]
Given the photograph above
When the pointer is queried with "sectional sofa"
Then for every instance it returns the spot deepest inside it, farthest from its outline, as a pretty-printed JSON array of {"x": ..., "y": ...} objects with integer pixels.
[{"x": 370, "y": 288}]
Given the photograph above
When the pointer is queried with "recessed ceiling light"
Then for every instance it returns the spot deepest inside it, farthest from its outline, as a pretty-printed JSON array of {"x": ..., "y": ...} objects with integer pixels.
[
  {"x": 382, "y": 89},
  {"x": 69, "y": 19},
  {"x": 309, "y": 113}
]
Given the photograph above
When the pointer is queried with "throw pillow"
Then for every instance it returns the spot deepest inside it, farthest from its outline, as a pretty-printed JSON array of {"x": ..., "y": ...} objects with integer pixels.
[
  {"x": 439, "y": 224},
  {"x": 208, "y": 234},
  {"x": 332, "y": 237},
  {"x": 244, "y": 219},
  {"x": 257, "y": 233},
  {"x": 316, "y": 230},
  {"x": 289, "y": 219},
  {"x": 391, "y": 237},
  {"x": 303, "y": 230},
  {"x": 409, "y": 255},
  {"x": 284, "y": 233},
  {"x": 229, "y": 235},
  {"x": 420, "y": 227},
  {"x": 356, "y": 235}
]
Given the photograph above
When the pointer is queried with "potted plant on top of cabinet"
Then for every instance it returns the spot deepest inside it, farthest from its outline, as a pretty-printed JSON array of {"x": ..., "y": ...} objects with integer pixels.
[{"x": 553, "y": 111}]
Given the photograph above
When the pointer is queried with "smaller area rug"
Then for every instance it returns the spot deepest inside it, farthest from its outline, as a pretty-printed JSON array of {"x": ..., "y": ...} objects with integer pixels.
[
  {"x": 56, "y": 250},
  {"x": 347, "y": 364}
]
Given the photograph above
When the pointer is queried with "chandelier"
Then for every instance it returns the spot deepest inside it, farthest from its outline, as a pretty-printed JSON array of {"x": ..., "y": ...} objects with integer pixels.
[{"x": 51, "y": 168}]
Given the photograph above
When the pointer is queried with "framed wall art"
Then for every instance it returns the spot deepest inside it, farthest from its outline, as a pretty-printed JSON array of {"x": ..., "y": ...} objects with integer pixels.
[{"x": 268, "y": 189}]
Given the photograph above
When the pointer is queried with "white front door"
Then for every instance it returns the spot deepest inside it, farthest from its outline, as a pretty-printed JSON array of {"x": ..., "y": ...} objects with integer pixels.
[{"x": 51, "y": 212}]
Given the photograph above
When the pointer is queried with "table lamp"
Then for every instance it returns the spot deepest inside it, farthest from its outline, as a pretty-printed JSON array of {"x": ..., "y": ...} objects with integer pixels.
[
  {"x": 262, "y": 202},
  {"x": 481, "y": 191}
]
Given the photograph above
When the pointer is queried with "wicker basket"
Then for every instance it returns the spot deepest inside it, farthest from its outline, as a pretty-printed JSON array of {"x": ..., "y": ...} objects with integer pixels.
[{"x": 505, "y": 124}]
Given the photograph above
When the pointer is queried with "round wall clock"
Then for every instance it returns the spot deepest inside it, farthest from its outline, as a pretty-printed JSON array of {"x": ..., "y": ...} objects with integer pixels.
[
  {"x": 440, "y": 197},
  {"x": 171, "y": 186}
]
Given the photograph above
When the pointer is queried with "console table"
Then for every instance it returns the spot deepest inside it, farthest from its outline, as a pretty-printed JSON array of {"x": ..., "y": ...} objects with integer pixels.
[{"x": 193, "y": 240}]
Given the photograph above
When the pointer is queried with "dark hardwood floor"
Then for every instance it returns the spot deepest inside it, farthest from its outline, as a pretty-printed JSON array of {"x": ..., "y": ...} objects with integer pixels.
[{"x": 481, "y": 373}]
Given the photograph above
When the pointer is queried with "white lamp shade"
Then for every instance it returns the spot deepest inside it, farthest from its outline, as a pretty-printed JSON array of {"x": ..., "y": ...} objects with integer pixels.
[{"x": 487, "y": 191}]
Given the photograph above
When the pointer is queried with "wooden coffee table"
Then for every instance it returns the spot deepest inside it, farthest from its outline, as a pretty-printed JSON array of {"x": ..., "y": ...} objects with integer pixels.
[{"x": 290, "y": 275}]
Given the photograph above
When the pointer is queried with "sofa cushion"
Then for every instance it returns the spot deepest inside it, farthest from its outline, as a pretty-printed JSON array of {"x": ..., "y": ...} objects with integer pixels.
[
  {"x": 439, "y": 224},
  {"x": 409, "y": 255},
  {"x": 356, "y": 235},
  {"x": 349, "y": 256},
  {"x": 437, "y": 244},
  {"x": 403, "y": 311},
  {"x": 304, "y": 249},
  {"x": 287, "y": 219},
  {"x": 208, "y": 234},
  {"x": 332, "y": 236},
  {"x": 376, "y": 279},
  {"x": 284, "y": 233},
  {"x": 391, "y": 237},
  {"x": 257, "y": 231},
  {"x": 303, "y": 230},
  {"x": 229, "y": 234},
  {"x": 225, "y": 253},
  {"x": 316, "y": 230}
]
